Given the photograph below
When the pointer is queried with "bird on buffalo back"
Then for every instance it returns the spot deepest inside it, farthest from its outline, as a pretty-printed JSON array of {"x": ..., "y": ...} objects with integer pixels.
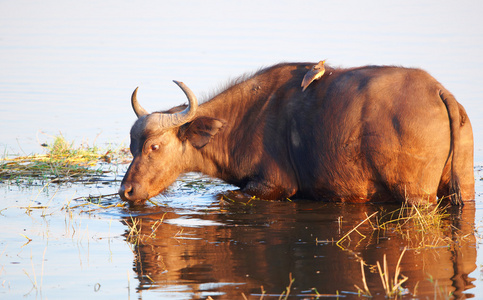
[{"x": 315, "y": 73}]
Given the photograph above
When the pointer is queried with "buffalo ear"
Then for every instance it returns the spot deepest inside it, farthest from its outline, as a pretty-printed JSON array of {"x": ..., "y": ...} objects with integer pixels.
[{"x": 200, "y": 131}]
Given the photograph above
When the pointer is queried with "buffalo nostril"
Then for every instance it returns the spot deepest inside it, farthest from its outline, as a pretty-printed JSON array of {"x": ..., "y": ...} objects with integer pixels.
[
  {"x": 125, "y": 191},
  {"x": 129, "y": 190}
]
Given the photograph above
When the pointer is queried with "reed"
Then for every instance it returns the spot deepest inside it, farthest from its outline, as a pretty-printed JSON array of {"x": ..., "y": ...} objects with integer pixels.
[
  {"x": 134, "y": 235},
  {"x": 392, "y": 288},
  {"x": 365, "y": 291},
  {"x": 285, "y": 294},
  {"x": 339, "y": 242},
  {"x": 440, "y": 292}
]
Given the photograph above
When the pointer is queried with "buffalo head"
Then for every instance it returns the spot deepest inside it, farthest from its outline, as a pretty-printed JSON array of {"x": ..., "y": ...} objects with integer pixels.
[{"x": 163, "y": 145}]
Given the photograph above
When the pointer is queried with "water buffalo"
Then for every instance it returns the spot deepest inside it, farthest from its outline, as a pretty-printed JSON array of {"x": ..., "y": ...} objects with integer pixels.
[{"x": 373, "y": 133}]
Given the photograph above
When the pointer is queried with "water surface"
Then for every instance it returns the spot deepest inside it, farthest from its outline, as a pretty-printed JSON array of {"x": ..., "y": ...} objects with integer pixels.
[{"x": 70, "y": 67}]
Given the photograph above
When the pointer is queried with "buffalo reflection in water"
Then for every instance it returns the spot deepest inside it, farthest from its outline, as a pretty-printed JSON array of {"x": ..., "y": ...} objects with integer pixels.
[{"x": 235, "y": 248}]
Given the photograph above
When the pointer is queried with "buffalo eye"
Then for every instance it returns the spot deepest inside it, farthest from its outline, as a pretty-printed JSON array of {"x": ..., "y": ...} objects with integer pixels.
[{"x": 154, "y": 147}]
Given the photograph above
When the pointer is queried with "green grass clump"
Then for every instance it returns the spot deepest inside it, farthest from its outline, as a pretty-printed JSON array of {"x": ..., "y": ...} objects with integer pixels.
[
  {"x": 62, "y": 163},
  {"x": 422, "y": 226}
]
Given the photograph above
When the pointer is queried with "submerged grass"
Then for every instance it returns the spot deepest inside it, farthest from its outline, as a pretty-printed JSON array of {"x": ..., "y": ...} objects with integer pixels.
[{"x": 62, "y": 163}]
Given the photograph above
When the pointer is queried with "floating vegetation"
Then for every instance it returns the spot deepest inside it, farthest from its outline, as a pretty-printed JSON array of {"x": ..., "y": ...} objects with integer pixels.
[
  {"x": 62, "y": 163},
  {"x": 96, "y": 203}
]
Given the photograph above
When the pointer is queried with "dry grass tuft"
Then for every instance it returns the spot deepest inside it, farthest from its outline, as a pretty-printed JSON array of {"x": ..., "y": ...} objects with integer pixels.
[
  {"x": 62, "y": 163},
  {"x": 425, "y": 217},
  {"x": 136, "y": 235},
  {"x": 421, "y": 226}
]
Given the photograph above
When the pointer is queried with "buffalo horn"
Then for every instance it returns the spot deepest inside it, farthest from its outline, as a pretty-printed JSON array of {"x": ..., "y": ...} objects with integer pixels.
[
  {"x": 169, "y": 120},
  {"x": 182, "y": 117},
  {"x": 138, "y": 109}
]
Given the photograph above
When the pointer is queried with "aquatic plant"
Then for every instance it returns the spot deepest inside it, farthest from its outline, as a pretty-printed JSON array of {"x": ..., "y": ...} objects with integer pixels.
[
  {"x": 392, "y": 287},
  {"x": 135, "y": 234},
  {"x": 62, "y": 163},
  {"x": 285, "y": 294},
  {"x": 364, "y": 291},
  {"x": 421, "y": 226},
  {"x": 425, "y": 217},
  {"x": 355, "y": 229}
]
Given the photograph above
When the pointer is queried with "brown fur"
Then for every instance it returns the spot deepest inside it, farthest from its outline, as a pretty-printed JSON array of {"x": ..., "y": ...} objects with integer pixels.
[{"x": 362, "y": 134}]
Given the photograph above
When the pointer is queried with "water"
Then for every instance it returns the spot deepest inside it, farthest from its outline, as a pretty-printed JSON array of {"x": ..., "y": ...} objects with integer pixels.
[{"x": 70, "y": 67}]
